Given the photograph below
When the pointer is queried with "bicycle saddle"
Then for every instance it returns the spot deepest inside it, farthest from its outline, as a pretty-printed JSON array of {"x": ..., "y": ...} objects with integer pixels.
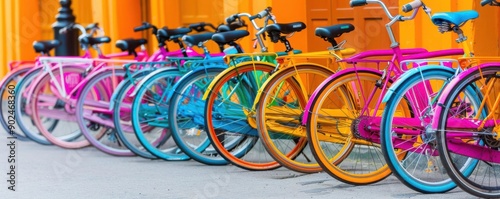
[
  {"x": 130, "y": 44},
  {"x": 94, "y": 40},
  {"x": 333, "y": 31},
  {"x": 173, "y": 33},
  {"x": 456, "y": 18},
  {"x": 286, "y": 28},
  {"x": 228, "y": 37},
  {"x": 45, "y": 46},
  {"x": 197, "y": 38}
]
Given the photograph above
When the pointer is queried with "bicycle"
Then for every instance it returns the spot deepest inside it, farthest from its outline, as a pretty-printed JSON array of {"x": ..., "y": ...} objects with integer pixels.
[{"x": 343, "y": 113}]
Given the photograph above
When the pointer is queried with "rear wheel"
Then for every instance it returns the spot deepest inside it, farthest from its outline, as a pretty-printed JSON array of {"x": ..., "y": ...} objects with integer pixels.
[
  {"x": 279, "y": 115},
  {"x": 94, "y": 117}
]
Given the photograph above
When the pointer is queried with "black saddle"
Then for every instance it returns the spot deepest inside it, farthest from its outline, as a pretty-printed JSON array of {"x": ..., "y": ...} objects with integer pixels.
[
  {"x": 333, "y": 31},
  {"x": 228, "y": 37},
  {"x": 130, "y": 44},
  {"x": 45, "y": 46},
  {"x": 94, "y": 40},
  {"x": 286, "y": 28},
  {"x": 197, "y": 38}
]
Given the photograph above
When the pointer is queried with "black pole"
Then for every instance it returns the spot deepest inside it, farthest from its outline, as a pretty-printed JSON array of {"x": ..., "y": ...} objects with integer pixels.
[{"x": 69, "y": 40}]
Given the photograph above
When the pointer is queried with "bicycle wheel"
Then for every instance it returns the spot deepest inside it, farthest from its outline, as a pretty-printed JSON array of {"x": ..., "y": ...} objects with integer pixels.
[
  {"x": 338, "y": 127},
  {"x": 47, "y": 104},
  {"x": 406, "y": 131},
  {"x": 150, "y": 115},
  {"x": 8, "y": 85},
  {"x": 23, "y": 113},
  {"x": 279, "y": 114},
  {"x": 122, "y": 117},
  {"x": 461, "y": 141},
  {"x": 93, "y": 115},
  {"x": 187, "y": 120},
  {"x": 229, "y": 122}
]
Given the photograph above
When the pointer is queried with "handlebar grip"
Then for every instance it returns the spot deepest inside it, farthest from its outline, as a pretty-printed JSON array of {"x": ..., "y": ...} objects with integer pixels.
[
  {"x": 231, "y": 19},
  {"x": 412, "y": 6},
  {"x": 140, "y": 28},
  {"x": 356, "y": 3},
  {"x": 486, "y": 2}
]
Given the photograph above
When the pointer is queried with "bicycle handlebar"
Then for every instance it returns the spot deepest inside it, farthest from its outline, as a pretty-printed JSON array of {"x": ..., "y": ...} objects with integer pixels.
[{"x": 412, "y": 6}]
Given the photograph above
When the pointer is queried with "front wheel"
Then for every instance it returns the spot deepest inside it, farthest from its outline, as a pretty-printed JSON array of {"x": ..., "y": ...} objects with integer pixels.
[
  {"x": 229, "y": 120},
  {"x": 94, "y": 117},
  {"x": 149, "y": 115}
]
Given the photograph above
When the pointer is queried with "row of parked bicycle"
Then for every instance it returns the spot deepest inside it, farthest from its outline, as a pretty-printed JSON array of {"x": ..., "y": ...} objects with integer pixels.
[{"x": 432, "y": 121}]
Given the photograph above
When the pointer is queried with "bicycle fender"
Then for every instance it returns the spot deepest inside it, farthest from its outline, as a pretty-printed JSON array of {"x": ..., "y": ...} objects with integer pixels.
[
  {"x": 261, "y": 89},
  {"x": 413, "y": 72},
  {"x": 143, "y": 80},
  {"x": 218, "y": 77}
]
